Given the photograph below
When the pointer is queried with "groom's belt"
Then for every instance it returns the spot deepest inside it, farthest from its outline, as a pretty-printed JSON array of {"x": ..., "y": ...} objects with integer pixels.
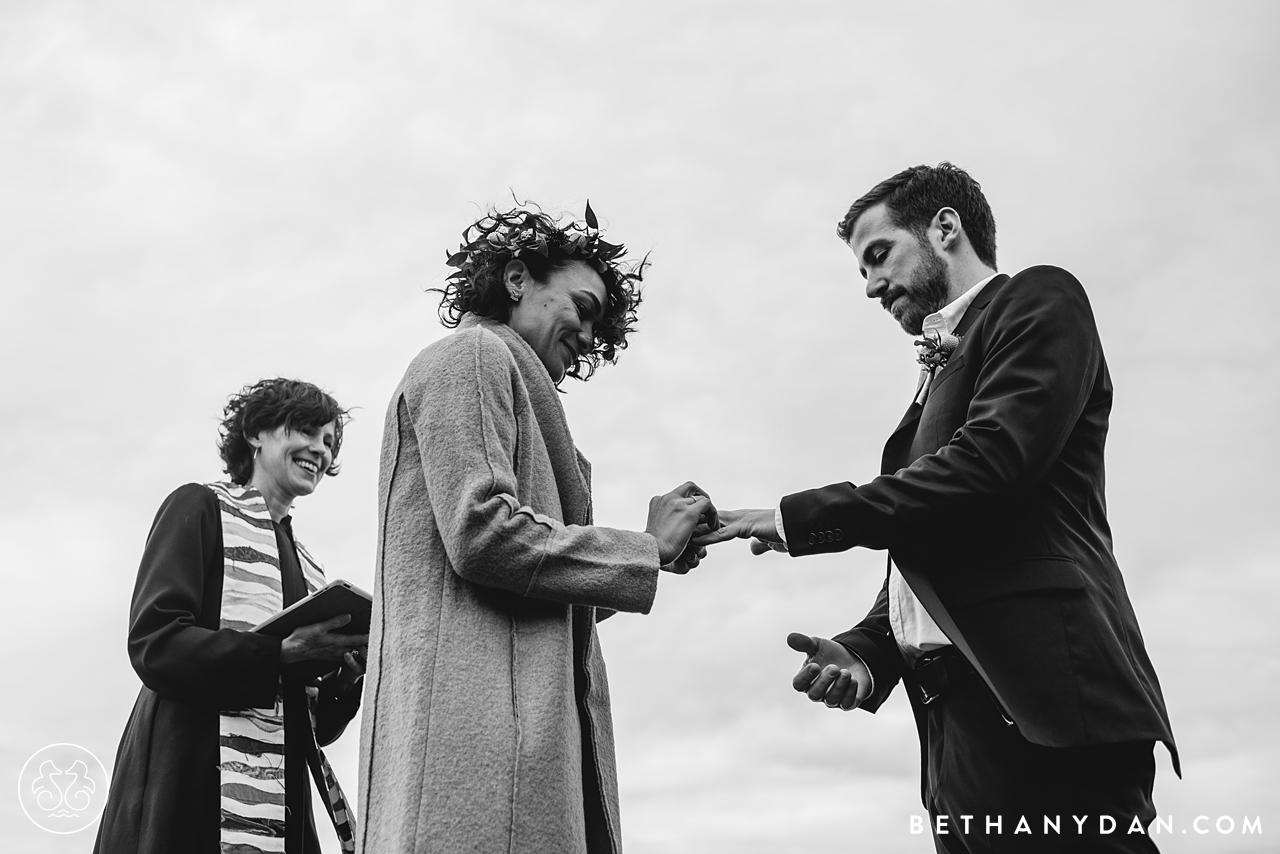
[{"x": 938, "y": 671}]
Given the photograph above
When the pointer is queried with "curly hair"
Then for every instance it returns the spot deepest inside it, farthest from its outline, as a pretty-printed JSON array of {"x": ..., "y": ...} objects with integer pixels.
[
  {"x": 525, "y": 233},
  {"x": 915, "y": 195},
  {"x": 266, "y": 405}
]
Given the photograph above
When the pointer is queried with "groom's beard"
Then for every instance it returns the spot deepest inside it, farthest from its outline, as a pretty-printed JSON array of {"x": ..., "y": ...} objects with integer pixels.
[{"x": 926, "y": 292}]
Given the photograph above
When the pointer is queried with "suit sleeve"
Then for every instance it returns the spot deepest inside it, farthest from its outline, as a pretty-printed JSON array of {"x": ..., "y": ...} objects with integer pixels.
[
  {"x": 1041, "y": 359},
  {"x": 872, "y": 641},
  {"x": 175, "y": 599},
  {"x": 465, "y": 422}
]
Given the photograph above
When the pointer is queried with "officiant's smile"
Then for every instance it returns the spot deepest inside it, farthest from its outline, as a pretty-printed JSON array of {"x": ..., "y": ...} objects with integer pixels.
[{"x": 289, "y": 463}]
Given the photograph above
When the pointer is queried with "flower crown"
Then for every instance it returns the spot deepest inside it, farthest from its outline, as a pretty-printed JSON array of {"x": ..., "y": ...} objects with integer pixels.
[{"x": 520, "y": 232}]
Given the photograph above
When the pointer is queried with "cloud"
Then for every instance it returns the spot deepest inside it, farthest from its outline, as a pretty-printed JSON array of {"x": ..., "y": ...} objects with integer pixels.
[{"x": 194, "y": 198}]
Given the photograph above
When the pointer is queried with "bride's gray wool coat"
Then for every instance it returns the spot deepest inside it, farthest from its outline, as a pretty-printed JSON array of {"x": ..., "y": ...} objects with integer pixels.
[{"x": 487, "y": 725}]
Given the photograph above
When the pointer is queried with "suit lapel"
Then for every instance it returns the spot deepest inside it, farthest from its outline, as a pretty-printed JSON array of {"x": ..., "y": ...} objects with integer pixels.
[
  {"x": 896, "y": 453},
  {"x": 899, "y": 444},
  {"x": 898, "y": 448},
  {"x": 979, "y": 304}
]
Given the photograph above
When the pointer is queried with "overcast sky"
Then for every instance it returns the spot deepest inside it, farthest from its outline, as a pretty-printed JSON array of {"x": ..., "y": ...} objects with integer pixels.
[{"x": 196, "y": 196}]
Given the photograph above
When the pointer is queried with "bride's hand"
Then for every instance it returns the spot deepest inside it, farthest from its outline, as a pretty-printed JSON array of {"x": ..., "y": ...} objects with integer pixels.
[{"x": 673, "y": 518}]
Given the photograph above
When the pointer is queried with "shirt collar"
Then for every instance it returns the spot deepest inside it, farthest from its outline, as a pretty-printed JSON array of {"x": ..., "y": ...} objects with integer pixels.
[{"x": 945, "y": 320}]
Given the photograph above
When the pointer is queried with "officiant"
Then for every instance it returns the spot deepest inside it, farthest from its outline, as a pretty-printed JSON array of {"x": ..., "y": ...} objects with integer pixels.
[{"x": 225, "y": 731}]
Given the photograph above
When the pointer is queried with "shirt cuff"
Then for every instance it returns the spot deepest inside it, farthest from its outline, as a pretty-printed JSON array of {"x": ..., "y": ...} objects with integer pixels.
[
  {"x": 777, "y": 523},
  {"x": 854, "y": 653}
]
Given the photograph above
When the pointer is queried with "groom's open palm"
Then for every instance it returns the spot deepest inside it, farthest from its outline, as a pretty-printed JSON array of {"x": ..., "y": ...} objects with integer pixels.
[{"x": 831, "y": 674}]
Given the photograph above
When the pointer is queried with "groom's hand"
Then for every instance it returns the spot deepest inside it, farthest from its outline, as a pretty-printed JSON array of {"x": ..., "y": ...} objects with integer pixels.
[
  {"x": 745, "y": 524},
  {"x": 759, "y": 547},
  {"x": 831, "y": 674}
]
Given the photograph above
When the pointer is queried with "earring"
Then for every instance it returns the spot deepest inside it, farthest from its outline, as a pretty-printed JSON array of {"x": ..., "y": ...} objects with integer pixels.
[{"x": 255, "y": 453}]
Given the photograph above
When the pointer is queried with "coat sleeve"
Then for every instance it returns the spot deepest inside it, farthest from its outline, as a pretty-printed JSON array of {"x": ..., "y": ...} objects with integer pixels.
[
  {"x": 464, "y": 418},
  {"x": 1042, "y": 357},
  {"x": 872, "y": 640},
  {"x": 176, "y": 601}
]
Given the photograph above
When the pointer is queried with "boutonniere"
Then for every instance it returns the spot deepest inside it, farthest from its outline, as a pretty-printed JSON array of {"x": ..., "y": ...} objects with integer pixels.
[{"x": 934, "y": 352}]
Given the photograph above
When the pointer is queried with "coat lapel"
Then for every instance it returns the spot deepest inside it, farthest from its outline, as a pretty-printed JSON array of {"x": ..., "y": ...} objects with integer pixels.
[
  {"x": 979, "y": 304},
  {"x": 898, "y": 448},
  {"x": 571, "y": 471},
  {"x": 899, "y": 445}
]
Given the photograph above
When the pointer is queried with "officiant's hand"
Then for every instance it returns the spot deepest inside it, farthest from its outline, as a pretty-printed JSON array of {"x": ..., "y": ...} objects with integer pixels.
[
  {"x": 322, "y": 642},
  {"x": 831, "y": 674},
  {"x": 352, "y": 669}
]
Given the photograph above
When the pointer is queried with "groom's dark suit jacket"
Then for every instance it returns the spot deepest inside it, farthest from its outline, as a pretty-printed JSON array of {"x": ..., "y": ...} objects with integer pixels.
[{"x": 991, "y": 504}]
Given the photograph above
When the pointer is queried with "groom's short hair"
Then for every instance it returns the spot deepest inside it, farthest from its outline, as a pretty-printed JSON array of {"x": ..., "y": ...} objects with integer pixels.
[{"x": 914, "y": 195}]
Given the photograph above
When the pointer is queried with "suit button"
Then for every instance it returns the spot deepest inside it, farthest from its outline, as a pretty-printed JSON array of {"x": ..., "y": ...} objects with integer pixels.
[
  {"x": 821, "y": 538},
  {"x": 812, "y": 540},
  {"x": 839, "y": 534},
  {"x": 831, "y": 538}
]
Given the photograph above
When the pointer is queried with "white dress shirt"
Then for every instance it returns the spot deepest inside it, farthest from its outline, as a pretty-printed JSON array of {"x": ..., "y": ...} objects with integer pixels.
[{"x": 913, "y": 628}]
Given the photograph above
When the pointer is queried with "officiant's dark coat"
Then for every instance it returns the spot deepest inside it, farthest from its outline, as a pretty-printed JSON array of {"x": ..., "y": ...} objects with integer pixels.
[
  {"x": 164, "y": 787},
  {"x": 991, "y": 504}
]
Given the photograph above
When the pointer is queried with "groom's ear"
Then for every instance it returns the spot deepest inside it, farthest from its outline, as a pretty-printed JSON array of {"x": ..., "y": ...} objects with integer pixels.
[{"x": 947, "y": 229}]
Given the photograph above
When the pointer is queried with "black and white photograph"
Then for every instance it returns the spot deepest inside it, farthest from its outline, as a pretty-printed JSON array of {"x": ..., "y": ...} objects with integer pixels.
[{"x": 731, "y": 428}]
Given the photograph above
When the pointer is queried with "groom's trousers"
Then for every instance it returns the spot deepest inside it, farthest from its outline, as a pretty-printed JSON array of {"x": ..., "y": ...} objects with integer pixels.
[{"x": 1024, "y": 797}]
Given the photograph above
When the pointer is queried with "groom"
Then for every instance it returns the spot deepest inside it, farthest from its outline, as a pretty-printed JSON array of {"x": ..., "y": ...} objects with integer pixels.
[{"x": 1003, "y": 612}]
